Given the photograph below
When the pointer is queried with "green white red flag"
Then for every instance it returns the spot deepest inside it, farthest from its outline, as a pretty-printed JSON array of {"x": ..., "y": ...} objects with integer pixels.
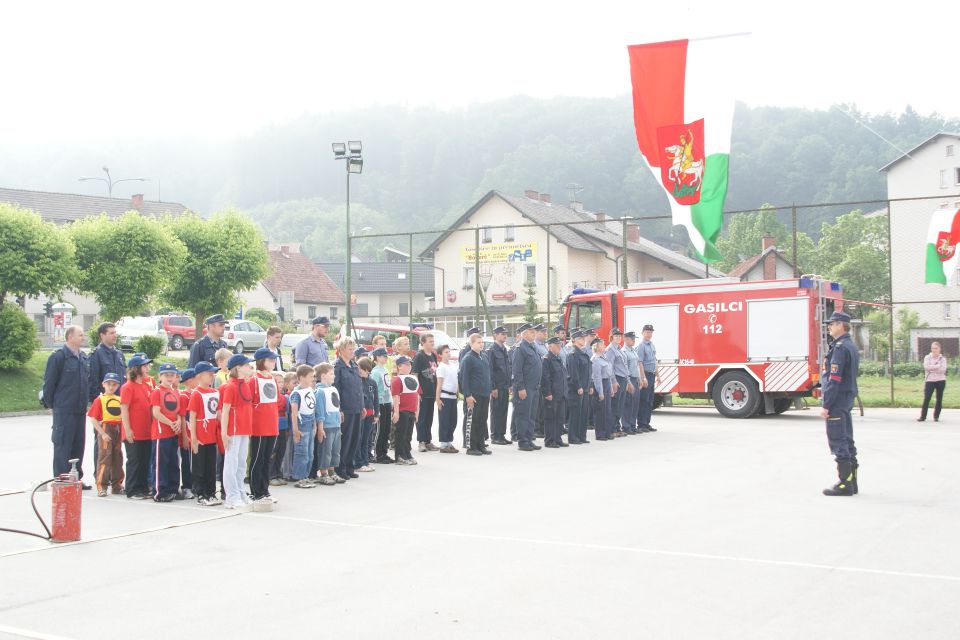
[
  {"x": 683, "y": 105},
  {"x": 941, "y": 254}
]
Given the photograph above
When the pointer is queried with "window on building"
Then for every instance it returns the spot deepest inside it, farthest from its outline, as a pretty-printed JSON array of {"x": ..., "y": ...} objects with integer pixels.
[
  {"x": 655, "y": 279},
  {"x": 530, "y": 275},
  {"x": 956, "y": 175},
  {"x": 944, "y": 178},
  {"x": 509, "y": 233},
  {"x": 311, "y": 312},
  {"x": 486, "y": 234},
  {"x": 946, "y": 310},
  {"x": 469, "y": 277},
  {"x": 949, "y": 150},
  {"x": 333, "y": 312},
  {"x": 404, "y": 309}
]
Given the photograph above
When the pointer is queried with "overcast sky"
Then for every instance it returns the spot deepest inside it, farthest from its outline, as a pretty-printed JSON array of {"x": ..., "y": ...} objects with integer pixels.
[{"x": 81, "y": 70}]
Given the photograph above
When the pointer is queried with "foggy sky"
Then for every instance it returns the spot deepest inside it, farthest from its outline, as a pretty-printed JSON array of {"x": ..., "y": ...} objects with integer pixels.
[{"x": 82, "y": 71}]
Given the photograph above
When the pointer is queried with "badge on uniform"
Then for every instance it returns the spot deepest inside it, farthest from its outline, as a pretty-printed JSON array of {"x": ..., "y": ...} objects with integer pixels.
[
  {"x": 834, "y": 368},
  {"x": 267, "y": 389},
  {"x": 309, "y": 403},
  {"x": 211, "y": 403},
  {"x": 410, "y": 384}
]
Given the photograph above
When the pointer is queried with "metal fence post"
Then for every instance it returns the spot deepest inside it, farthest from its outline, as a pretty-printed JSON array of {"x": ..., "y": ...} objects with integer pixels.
[
  {"x": 547, "y": 229},
  {"x": 410, "y": 278},
  {"x": 476, "y": 272},
  {"x": 624, "y": 278},
  {"x": 890, "y": 287},
  {"x": 347, "y": 275},
  {"x": 796, "y": 267}
]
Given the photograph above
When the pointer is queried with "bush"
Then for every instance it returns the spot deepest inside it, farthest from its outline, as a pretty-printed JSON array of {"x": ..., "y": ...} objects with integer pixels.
[
  {"x": 18, "y": 337},
  {"x": 908, "y": 370},
  {"x": 261, "y": 316},
  {"x": 871, "y": 368},
  {"x": 150, "y": 345}
]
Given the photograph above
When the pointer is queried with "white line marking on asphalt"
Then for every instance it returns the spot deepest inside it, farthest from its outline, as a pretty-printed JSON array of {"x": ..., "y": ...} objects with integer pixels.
[{"x": 26, "y": 633}]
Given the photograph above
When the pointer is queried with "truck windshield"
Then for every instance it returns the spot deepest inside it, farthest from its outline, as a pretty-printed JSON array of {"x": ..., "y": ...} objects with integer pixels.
[{"x": 585, "y": 314}]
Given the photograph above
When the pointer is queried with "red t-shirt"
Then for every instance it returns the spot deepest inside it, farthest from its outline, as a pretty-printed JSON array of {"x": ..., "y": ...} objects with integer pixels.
[
  {"x": 409, "y": 391},
  {"x": 236, "y": 393},
  {"x": 112, "y": 404},
  {"x": 169, "y": 402},
  {"x": 266, "y": 416},
  {"x": 205, "y": 403},
  {"x": 136, "y": 395}
]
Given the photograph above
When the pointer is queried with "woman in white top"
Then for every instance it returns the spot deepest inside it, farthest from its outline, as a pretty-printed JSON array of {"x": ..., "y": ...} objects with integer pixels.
[
  {"x": 447, "y": 398},
  {"x": 934, "y": 379}
]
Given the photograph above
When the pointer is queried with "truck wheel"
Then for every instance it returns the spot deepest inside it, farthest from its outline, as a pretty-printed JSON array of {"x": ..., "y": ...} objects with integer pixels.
[
  {"x": 657, "y": 401},
  {"x": 735, "y": 395},
  {"x": 782, "y": 404}
]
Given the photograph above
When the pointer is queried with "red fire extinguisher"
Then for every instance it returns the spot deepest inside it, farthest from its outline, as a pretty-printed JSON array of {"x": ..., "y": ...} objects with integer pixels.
[{"x": 67, "y": 491}]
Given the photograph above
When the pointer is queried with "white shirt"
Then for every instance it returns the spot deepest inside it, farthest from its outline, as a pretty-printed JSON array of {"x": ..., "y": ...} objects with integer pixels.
[{"x": 449, "y": 374}]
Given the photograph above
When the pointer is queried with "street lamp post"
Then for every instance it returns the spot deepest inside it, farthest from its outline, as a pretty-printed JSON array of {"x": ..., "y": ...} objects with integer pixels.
[
  {"x": 110, "y": 181},
  {"x": 351, "y": 152}
]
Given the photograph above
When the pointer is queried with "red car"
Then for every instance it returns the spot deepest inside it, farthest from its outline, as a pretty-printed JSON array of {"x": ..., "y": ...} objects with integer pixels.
[{"x": 181, "y": 330}]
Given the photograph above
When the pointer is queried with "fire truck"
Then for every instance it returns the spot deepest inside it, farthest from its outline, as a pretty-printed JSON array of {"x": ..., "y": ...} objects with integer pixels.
[{"x": 751, "y": 347}]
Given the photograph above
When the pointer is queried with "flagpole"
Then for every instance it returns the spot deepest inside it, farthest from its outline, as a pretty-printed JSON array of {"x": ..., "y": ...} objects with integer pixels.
[{"x": 720, "y": 37}]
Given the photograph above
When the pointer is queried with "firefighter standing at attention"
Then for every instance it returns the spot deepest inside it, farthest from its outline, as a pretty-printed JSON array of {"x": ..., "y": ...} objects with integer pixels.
[{"x": 839, "y": 381}]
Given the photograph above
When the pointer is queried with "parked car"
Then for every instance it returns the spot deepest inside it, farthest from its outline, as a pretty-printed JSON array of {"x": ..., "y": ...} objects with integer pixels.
[
  {"x": 131, "y": 329},
  {"x": 181, "y": 330},
  {"x": 244, "y": 334}
]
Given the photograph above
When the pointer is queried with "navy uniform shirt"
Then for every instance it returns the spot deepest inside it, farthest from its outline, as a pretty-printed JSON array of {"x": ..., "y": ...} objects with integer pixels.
[
  {"x": 527, "y": 367},
  {"x": 104, "y": 360},
  {"x": 205, "y": 350},
  {"x": 553, "y": 380},
  {"x": 541, "y": 348},
  {"x": 578, "y": 371},
  {"x": 349, "y": 385},
  {"x": 618, "y": 362},
  {"x": 474, "y": 375},
  {"x": 499, "y": 366},
  {"x": 840, "y": 369},
  {"x": 66, "y": 381}
]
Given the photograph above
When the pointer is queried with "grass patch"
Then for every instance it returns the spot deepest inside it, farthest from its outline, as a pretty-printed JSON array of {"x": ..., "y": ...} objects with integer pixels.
[{"x": 19, "y": 387}]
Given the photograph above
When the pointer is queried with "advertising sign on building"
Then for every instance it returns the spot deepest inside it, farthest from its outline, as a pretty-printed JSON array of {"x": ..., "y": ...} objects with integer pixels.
[{"x": 501, "y": 252}]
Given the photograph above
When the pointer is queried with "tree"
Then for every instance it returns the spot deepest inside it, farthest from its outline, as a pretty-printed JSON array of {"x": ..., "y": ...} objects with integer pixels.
[
  {"x": 907, "y": 320},
  {"x": 530, "y": 306},
  {"x": 225, "y": 255},
  {"x": 18, "y": 337},
  {"x": 744, "y": 234},
  {"x": 124, "y": 262},
  {"x": 261, "y": 316},
  {"x": 853, "y": 251},
  {"x": 35, "y": 256}
]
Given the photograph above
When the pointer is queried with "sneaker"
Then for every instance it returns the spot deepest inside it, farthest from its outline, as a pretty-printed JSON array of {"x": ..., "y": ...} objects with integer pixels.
[
  {"x": 140, "y": 496},
  {"x": 179, "y": 495},
  {"x": 102, "y": 493},
  {"x": 411, "y": 460},
  {"x": 277, "y": 482},
  {"x": 215, "y": 500},
  {"x": 432, "y": 447},
  {"x": 239, "y": 506},
  {"x": 384, "y": 460},
  {"x": 304, "y": 484},
  {"x": 366, "y": 468},
  {"x": 188, "y": 494},
  {"x": 422, "y": 448},
  {"x": 337, "y": 479},
  {"x": 449, "y": 449},
  {"x": 327, "y": 481}
]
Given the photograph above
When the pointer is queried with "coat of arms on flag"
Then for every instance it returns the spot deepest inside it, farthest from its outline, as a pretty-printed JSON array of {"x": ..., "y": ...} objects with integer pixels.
[{"x": 681, "y": 160}]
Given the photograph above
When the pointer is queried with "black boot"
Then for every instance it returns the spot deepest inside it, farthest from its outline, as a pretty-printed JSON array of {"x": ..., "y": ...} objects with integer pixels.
[
  {"x": 853, "y": 481},
  {"x": 845, "y": 486}
]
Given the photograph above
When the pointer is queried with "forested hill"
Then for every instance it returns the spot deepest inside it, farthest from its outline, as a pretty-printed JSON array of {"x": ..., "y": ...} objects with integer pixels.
[{"x": 425, "y": 166}]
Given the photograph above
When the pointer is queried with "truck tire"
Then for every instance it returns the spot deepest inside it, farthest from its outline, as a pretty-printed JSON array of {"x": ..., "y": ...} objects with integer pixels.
[
  {"x": 736, "y": 395},
  {"x": 657, "y": 401},
  {"x": 782, "y": 404}
]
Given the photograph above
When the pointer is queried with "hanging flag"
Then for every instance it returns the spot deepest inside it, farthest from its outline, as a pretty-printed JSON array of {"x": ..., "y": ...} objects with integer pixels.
[
  {"x": 683, "y": 105},
  {"x": 942, "y": 237}
]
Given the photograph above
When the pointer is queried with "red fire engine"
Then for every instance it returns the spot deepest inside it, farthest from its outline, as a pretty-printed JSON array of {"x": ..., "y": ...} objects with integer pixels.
[{"x": 751, "y": 347}]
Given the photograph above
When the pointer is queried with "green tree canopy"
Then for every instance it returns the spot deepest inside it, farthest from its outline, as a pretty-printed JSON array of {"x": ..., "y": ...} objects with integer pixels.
[
  {"x": 225, "y": 255},
  {"x": 853, "y": 251},
  {"x": 124, "y": 262},
  {"x": 743, "y": 239},
  {"x": 35, "y": 256}
]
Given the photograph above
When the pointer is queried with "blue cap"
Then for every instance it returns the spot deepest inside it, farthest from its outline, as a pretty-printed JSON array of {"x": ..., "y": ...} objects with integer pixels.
[
  {"x": 320, "y": 320},
  {"x": 215, "y": 319},
  {"x": 559, "y": 328},
  {"x": 203, "y": 367},
  {"x": 630, "y": 334},
  {"x": 112, "y": 377},
  {"x": 473, "y": 330},
  {"x": 616, "y": 332},
  {"x": 138, "y": 360},
  {"x": 403, "y": 360},
  {"x": 263, "y": 353},
  {"x": 167, "y": 367},
  {"x": 524, "y": 327},
  {"x": 188, "y": 373},
  {"x": 359, "y": 352},
  {"x": 838, "y": 316},
  {"x": 540, "y": 327},
  {"x": 554, "y": 340},
  {"x": 379, "y": 353},
  {"x": 596, "y": 341},
  {"x": 500, "y": 330},
  {"x": 238, "y": 360},
  {"x": 576, "y": 334}
]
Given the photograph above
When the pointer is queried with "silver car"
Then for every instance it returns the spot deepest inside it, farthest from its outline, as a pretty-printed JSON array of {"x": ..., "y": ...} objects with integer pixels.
[
  {"x": 243, "y": 335},
  {"x": 130, "y": 329}
]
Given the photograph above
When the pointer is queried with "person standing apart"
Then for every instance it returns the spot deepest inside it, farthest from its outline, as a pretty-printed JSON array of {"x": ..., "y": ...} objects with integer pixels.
[
  {"x": 934, "y": 379},
  {"x": 648, "y": 382},
  {"x": 66, "y": 389},
  {"x": 425, "y": 368},
  {"x": 839, "y": 381},
  {"x": 527, "y": 371},
  {"x": 477, "y": 387},
  {"x": 205, "y": 349}
]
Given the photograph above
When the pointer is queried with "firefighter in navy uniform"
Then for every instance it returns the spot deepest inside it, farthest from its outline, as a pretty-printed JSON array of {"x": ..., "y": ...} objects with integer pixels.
[
  {"x": 839, "y": 381},
  {"x": 205, "y": 349},
  {"x": 553, "y": 390},
  {"x": 578, "y": 379},
  {"x": 527, "y": 370},
  {"x": 500, "y": 395}
]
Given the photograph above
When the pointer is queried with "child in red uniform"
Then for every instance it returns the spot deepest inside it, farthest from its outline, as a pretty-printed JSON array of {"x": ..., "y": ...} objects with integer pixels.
[
  {"x": 165, "y": 431},
  {"x": 266, "y": 394},
  {"x": 104, "y": 413},
  {"x": 188, "y": 378},
  {"x": 236, "y": 427},
  {"x": 136, "y": 416},
  {"x": 405, "y": 391},
  {"x": 204, "y": 430}
]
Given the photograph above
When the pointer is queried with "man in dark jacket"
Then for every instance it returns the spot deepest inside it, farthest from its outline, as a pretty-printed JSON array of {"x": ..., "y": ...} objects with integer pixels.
[
  {"x": 476, "y": 389},
  {"x": 106, "y": 358},
  {"x": 205, "y": 349},
  {"x": 578, "y": 380},
  {"x": 499, "y": 361},
  {"x": 553, "y": 389},
  {"x": 66, "y": 385},
  {"x": 527, "y": 369},
  {"x": 349, "y": 385},
  {"x": 839, "y": 383}
]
